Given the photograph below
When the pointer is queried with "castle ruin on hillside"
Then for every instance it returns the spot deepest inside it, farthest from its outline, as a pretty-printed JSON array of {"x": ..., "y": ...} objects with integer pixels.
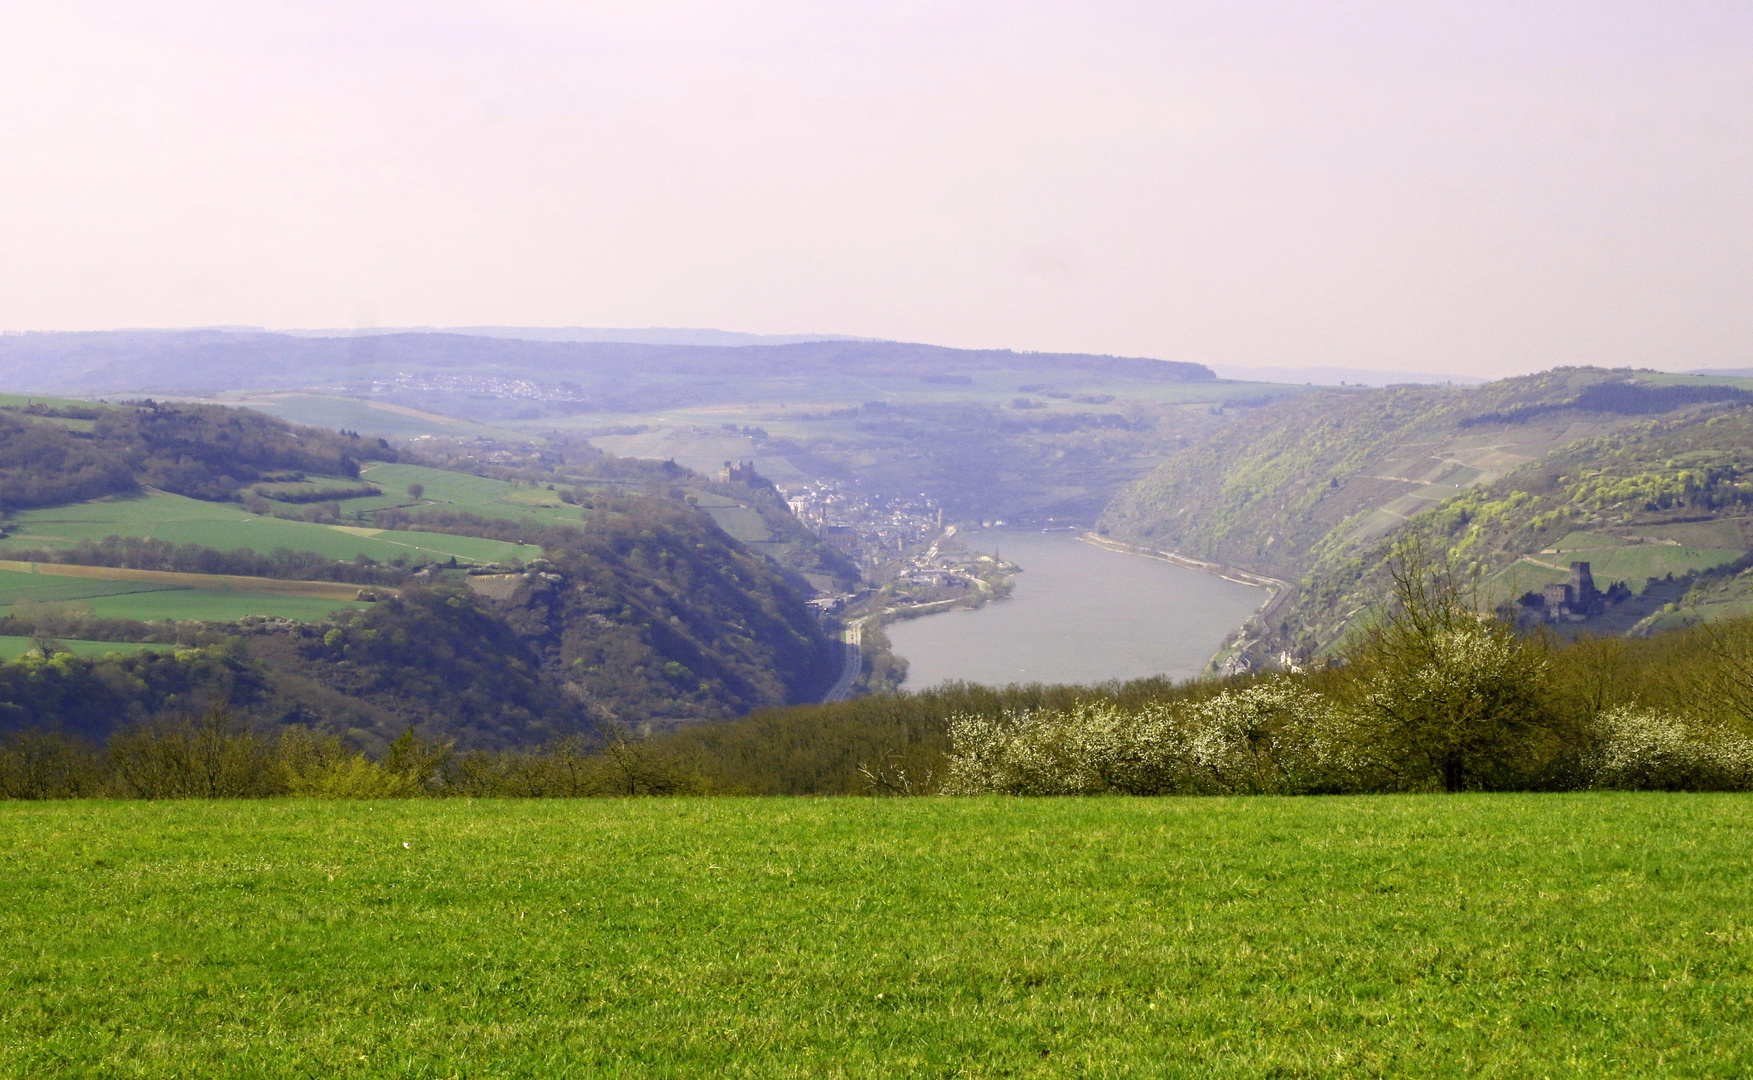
[
  {"x": 1575, "y": 600},
  {"x": 740, "y": 472}
]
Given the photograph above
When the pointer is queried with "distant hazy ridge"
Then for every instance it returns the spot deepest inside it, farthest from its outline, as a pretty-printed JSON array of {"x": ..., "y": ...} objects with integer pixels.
[{"x": 613, "y": 374}]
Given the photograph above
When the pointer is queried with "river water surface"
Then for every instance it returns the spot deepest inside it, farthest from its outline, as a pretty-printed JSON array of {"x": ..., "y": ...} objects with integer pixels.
[{"x": 1079, "y": 614}]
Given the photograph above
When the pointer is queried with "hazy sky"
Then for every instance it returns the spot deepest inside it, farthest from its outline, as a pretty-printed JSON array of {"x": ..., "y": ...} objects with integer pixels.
[{"x": 1479, "y": 186}]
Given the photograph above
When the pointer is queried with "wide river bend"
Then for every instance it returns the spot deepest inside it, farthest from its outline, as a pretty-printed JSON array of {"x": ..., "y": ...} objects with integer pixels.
[{"x": 1078, "y": 614}]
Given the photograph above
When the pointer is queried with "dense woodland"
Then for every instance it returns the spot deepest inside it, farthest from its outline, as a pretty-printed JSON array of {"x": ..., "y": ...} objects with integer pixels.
[{"x": 202, "y": 451}]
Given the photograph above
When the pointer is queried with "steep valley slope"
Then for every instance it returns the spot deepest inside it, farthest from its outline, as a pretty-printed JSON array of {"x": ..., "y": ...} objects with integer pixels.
[
  {"x": 598, "y": 595},
  {"x": 1317, "y": 489}
]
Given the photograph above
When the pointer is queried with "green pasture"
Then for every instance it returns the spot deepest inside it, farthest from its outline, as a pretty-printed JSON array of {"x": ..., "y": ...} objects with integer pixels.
[
  {"x": 742, "y": 524},
  {"x": 1636, "y": 565},
  {"x": 1509, "y": 935},
  {"x": 739, "y": 522},
  {"x": 11, "y": 648},
  {"x": 473, "y": 494},
  {"x": 227, "y": 526},
  {"x": 16, "y": 585},
  {"x": 149, "y": 601},
  {"x": 1587, "y": 541},
  {"x": 1727, "y": 532},
  {"x": 1624, "y": 559},
  {"x": 348, "y": 489},
  {"x": 214, "y": 605}
]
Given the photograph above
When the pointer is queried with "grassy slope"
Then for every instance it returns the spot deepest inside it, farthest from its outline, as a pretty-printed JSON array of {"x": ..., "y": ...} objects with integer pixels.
[
  {"x": 1523, "y": 935},
  {"x": 214, "y": 605},
  {"x": 228, "y": 526},
  {"x": 370, "y": 418},
  {"x": 462, "y": 491}
]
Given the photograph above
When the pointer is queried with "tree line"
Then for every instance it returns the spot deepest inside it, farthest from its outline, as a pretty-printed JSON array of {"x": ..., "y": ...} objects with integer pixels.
[{"x": 1433, "y": 697}]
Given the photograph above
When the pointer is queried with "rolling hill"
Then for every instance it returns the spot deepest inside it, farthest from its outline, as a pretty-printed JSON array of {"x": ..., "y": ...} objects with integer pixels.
[
  {"x": 1637, "y": 472},
  {"x": 511, "y": 604}
]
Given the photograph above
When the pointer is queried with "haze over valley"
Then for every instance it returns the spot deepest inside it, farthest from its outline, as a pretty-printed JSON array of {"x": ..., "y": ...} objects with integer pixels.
[{"x": 771, "y": 539}]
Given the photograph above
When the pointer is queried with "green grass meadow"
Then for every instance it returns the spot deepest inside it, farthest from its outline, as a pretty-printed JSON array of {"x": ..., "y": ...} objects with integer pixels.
[
  {"x": 227, "y": 526},
  {"x": 148, "y": 601},
  {"x": 1506, "y": 935},
  {"x": 16, "y": 585},
  {"x": 214, "y": 605},
  {"x": 474, "y": 494}
]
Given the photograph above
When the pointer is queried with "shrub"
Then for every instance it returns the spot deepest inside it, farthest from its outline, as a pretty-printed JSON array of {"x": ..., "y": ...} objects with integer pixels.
[
  {"x": 212, "y": 758},
  {"x": 1050, "y": 752},
  {"x": 1637, "y": 749},
  {"x": 322, "y": 767},
  {"x": 1276, "y": 736},
  {"x": 47, "y": 765},
  {"x": 1446, "y": 699}
]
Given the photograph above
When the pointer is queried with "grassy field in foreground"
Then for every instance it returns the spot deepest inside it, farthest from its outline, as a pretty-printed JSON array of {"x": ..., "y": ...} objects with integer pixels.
[{"x": 1591, "y": 935}]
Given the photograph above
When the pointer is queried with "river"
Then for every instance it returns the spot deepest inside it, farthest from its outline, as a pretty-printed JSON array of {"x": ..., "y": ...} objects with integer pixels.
[{"x": 1078, "y": 614}]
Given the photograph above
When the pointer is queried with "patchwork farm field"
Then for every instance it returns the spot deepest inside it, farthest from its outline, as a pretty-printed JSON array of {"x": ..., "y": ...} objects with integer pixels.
[
  {"x": 227, "y": 527},
  {"x": 1577, "y": 935},
  {"x": 213, "y": 605},
  {"x": 148, "y": 601}
]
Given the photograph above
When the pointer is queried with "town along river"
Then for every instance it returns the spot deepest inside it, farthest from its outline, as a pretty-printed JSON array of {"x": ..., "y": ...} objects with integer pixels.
[{"x": 1078, "y": 614}]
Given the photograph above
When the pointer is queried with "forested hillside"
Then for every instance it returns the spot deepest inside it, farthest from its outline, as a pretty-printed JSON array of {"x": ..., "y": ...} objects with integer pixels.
[
  {"x": 1314, "y": 489},
  {"x": 48, "y": 456},
  {"x": 623, "y": 604}
]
